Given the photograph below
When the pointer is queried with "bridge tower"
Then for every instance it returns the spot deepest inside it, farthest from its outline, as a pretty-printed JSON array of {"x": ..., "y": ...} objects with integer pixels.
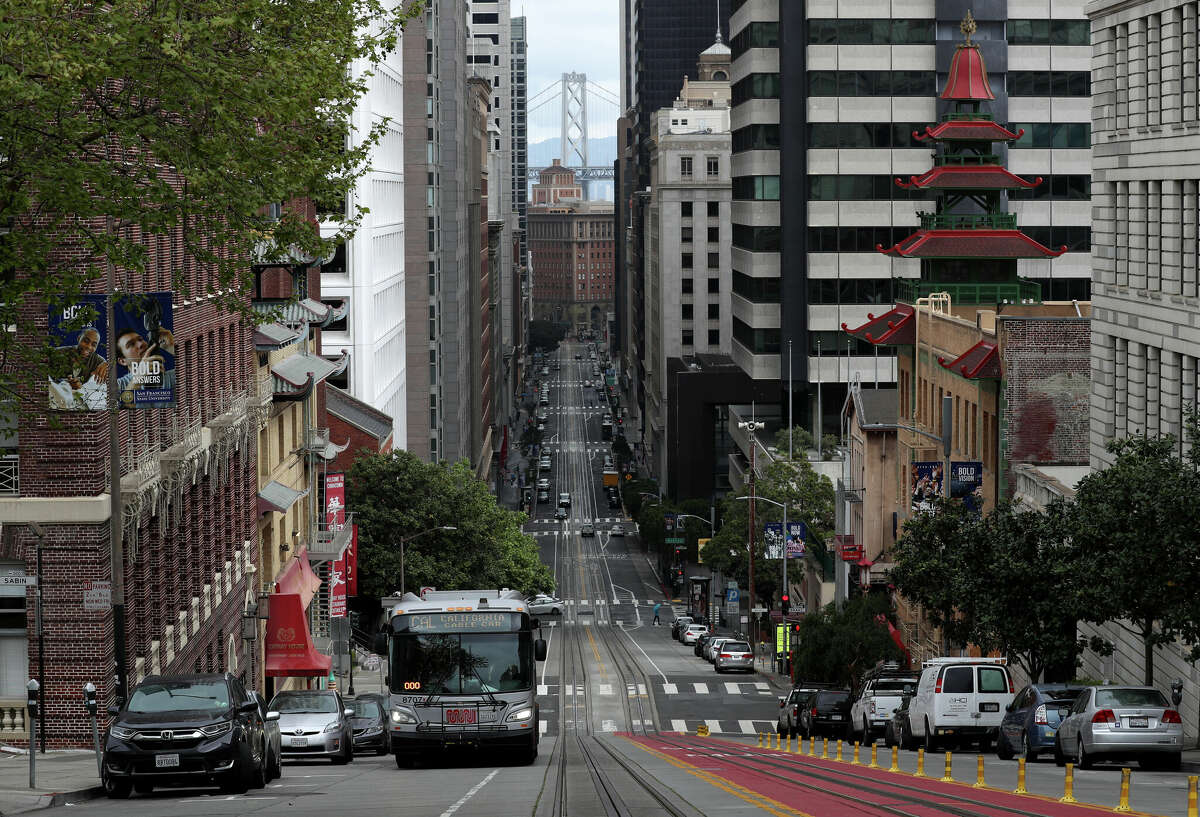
[{"x": 573, "y": 145}]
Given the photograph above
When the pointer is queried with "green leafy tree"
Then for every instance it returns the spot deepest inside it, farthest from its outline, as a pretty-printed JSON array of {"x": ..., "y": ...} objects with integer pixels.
[
  {"x": 546, "y": 335},
  {"x": 396, "y": 494},
  {"x": 802, "y": 440},
  {"x": 1135, "y": 524},
  {"x": 123, "y": 122},
  {"x": 838, "y": 645}
]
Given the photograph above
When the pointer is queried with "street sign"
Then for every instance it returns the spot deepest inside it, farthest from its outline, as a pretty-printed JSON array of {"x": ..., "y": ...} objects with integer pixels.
[
  {"x": 758, "y": 609},
  {"x": 732, "y": 595},
  {"x": 674, "y": 540},
  {"x": 97, "y": 596},
  {"x": 18, "y": 580}
]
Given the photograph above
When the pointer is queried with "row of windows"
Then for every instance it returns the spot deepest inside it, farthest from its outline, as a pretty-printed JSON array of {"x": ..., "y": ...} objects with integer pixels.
[
  {"x": 829, "y": 291},
  {"x": 756, "y": 239},
  {"x": 687, "y": 286},
  {"x": 838, "y": 343},
  {"x": 755, "y": 86},
  {"x": 900, "y": 135},
  {"x": 1049, "y": 32},
  {"x": 687, "y": 260},
  {"x": 756, "y": 188},
  {"x": 686, "y": 234},
  {"x": 757, "y": 290},
  {"x": 755, "y": 35},
  {"x": 860, "y": 291},
  {"x": 712, "y": 166},
  {"x": 1068, "y": 187},
  {"x": 1065, "y": 289},
  {"x": 1048, "y": 83},
  {"x": 1053, "y": 135},
  {"x": 714, "y": 209},
  {"x": 756, "y": 137},
  {"x": 870, "y": 32},
  {"x": 687, "y": 312},
  {"x": 872, "y": 83},
  {"x": 865, "y": 239},
  {"x": 687, "y": 337},
  {"x": 859, "y": 188},
  {"x": 865, "y": 135},
  {"x": 758, "y": 341}
]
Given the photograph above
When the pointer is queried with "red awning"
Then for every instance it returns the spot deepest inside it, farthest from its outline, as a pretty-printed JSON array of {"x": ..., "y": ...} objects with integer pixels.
[
  {"x": 298, "y": 577},
  {"x": 980, "y": 361},
  {"x": 968, "y": 130},
  {"x": 970, "y": 244},
  {"x": 968, "y": 177},
  {"x": 290, "y": 651},
  {"x": 896, "y": 326}
]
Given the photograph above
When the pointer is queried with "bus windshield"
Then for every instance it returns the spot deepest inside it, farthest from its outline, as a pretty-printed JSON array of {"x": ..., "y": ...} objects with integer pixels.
[{"x": 462, "y": 663}]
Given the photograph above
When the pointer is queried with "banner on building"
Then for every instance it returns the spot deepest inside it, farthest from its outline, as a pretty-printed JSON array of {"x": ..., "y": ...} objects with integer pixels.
[
  {"x": 966, "y": 483},
  {"x": 335, "y": 518},
  {"x": 352, "y": 563},
  {"x": 797, "y": 534},
  {"x": 773, "y": 539},
  {"x": 926, "y": 484},
  {"x": 144, "y": 353}
]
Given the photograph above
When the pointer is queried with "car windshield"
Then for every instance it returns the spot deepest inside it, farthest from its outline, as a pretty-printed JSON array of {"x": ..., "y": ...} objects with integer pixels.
[
  {"x": 367, "y": 709},
  {"x": 462, "y": 664},
  {"x": 894, "y": 687},
  {"x": 1130, "y": 697},
  {"x": 828, "y": 698},
  {"x": 304, "y": 702},
  {"x": 179, "y": 696},
  {"x": 1062, "y": 696},
  {"x": 736, "y": 646}
]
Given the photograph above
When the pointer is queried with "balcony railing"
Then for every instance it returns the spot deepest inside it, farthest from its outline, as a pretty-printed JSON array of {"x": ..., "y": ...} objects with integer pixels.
[
  {"x": 967, "y": 159},
  {"x": 10, "y": 475},
  {"x": 968, "y": 221},
  {"x": 972, "y": 293},
  {"x": 13, "y": 725},
  {"x": 966, "y": 115},
  {"x": 331, "y": 540}
]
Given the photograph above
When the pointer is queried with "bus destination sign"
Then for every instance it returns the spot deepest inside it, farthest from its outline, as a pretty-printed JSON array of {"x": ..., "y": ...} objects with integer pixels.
[{"x": 459, "y": 622}]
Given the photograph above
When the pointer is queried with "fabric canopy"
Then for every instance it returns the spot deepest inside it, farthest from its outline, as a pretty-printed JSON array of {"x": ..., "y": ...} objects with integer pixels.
[
  {"x": 290, "y": 651},
  {"x": 298, "y": 577}
]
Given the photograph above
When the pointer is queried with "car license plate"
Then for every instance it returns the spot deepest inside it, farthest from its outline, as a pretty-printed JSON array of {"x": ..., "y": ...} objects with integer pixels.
[
  {"x": 297, "y": 741},
  {"x": 461, "y": 716},
  {"x": 835, "y": 717},
  {"x": 1139, "y": 723},
  {"x": 166, "y": 761},
  {"x": 1049, "y": 733}
]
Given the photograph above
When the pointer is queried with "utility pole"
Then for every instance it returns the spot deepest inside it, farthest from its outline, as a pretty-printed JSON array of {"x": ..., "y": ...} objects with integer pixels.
[
  {"x": 752, "y": 426},
  {"x": 116, "y": 547}
]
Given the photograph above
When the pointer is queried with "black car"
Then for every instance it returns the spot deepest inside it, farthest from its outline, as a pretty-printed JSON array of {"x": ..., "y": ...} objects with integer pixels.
[
  {"x": 897, "y": 731},
  {"x": 698, "y": 646},
  {"x": 369, "y": 723},
  {"x": 274, "y": 739},
  {"x": 186, "y": 730},
  {"x": 826, "y": 712},
  {"x": 678, "y": 625}
]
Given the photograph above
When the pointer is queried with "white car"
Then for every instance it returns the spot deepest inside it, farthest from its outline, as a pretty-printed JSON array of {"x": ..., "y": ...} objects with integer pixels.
[
  {"x": 543, "y": 605},
  {"x": 564, "y": 500},
  {"x": 881, "y": 696},
  {"x": 543, "y": 484},
  {"x": 693, "y": 632},
  {"x": 617, "y": 530},
  {"x": 544, "y": 464},
  {"x": 960, "y": 701}
]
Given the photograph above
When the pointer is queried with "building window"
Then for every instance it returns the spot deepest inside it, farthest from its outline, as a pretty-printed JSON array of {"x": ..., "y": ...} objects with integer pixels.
[
  {"x": 685, "y": 312},
  {"x": 685, "y": 234},
  {"x": 714, "y": 312},
  {"x": 714, "y": 260},
  {"x": 714, "y": 337},
  {"x": 757, "y": 86},
  {"x": 756, "y": 290},
  {"x": 686, "y": 337},
  {"x": 685, "y": 286},
  {"x": 756, "y": 341},
  {"x": 712, "y": 166},
  {"x": 685, "y": 209},
  {"x": 714, "y": 285},
  {"x": 1049, "y": 83},
  {"x": 714, "y": 209},
  {"x": 685, "y": 260},
  {"x": 879, "y": 31},
  {"x": 1053, "y": 135},
  {"x": 872, "y": 83},
  {"x": 1049, "y": 32},
  {"x": 756, "y": 188},
  {"x": 714, "y": 235},
  {"x": 685, "y": 166},
  {"x": 756, "y": 137},
  {"x": 758, "y": 239}
]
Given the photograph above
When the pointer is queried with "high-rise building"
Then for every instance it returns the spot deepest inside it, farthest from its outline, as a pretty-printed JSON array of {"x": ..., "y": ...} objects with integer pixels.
[
  {"x": 519, "y": 91},
  {"x": 855, "y": 92}
]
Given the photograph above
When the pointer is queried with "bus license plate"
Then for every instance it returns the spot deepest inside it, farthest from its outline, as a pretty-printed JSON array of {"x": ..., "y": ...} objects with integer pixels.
[
  {"x": 461, "y": 716},
  {"x": 166, "y": 761}
]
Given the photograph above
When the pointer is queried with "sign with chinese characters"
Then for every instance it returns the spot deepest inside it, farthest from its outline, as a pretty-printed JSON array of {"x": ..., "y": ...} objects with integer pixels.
[{"x": 335, "y": 518}]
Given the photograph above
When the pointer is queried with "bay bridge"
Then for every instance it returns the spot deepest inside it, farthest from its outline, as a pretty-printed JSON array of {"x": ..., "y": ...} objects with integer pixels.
[{"x": 580, "y": 111}]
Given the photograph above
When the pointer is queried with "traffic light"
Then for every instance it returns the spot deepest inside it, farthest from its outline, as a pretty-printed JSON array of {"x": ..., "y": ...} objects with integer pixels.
[{"x": 787, "y": 605}]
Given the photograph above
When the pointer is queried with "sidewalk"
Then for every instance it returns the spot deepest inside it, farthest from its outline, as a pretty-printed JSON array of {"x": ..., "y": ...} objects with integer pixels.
[{"x": 63, "y": 776}]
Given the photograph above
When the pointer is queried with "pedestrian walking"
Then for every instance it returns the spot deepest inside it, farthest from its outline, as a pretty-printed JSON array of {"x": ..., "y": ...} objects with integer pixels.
[{"x": 657, "y": 606}]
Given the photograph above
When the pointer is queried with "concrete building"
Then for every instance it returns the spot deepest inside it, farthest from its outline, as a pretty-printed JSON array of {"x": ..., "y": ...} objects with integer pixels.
[
  {"x": 853, "y": 85},
  {"x": 483, "y": 277},
  {"x": 1146, "y": 285}
]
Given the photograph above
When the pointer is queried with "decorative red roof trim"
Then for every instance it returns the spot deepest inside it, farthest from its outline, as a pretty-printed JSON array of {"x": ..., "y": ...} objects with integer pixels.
[
  {"x": 968, "y": 79},
  {"x": 970, "y": 244},
  {"x": 968, "y": 177},
  {"x": 895, "y": 327},
  {"x": 973, "y": 130},
  {"x": 980, "y": 361}
]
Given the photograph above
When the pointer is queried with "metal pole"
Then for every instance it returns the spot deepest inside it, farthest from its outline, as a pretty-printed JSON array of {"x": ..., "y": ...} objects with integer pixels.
[
  {"x": 817, "y": 424},
  {"x": 41, "y": 637},
  {"x": 753, "y": 618},
  {"x": 947, "y": 439},
  {"x": 116, "y": 547},
  {"x": 402, "y": 566},
  {"x": 32, "y": 753}
]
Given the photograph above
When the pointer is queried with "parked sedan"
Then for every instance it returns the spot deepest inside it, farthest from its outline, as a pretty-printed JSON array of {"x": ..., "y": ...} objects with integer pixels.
[
  {"x": 617, "y": 530},
  {"x": 897, "y": 731},
  {"x": 692, "y": 632},
  {"x": 314, "y": 723},
  {"x": 369, "y": 725},
  {"x": 734, "y": 655},
  {"x": 274, "y": 745},
  {"x": 679, "y": 625},
  {"x": 826, "y": 712},
  {"x": 1031, "y": 721},
  {"x": 712, "y": 645},
  {"x": 542, "y": 605},
  {"x": 1111, "y": 723}
]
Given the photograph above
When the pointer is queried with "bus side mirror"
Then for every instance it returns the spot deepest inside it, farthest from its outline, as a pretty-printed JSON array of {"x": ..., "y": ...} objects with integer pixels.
[
  {"x": 535, "y": 624},
  {"x": 379, "y": 646},
  {"x": 539, "y": 649}
]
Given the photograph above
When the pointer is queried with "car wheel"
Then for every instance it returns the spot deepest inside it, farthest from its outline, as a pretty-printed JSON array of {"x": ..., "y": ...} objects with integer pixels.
[
  {"x": 866, "y": 738},
  {"x": 931, "y": 744},
  {"x": 383, "y": 746},
  {"x": 1029, "y": 753},
  {"x": 1082, "y": 759},
  {"x": 259, "y": 772},
  {"x": 117, "y": 789},
  {"x": 985, "y": 745},
  {"x": 276, "y": 766},
  {"x": 1060, "y": 759},
  {"x": 404, "y": 761},
  {"x": 778, "y": 729},
  {"x": 1003, "y": 749},
  {"x": 906, "y": 738}
]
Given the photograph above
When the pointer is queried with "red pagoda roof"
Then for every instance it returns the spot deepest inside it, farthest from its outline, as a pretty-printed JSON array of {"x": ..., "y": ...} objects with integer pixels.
[
  {"x": 966, "y": 243},
  {"x": 969, "y": 130},
  {"x": 968, "y": 177},
  {"x": 895, "y": 327},
  {"x": 980, "y": 361},
  {"x": 968, "y": 80}
]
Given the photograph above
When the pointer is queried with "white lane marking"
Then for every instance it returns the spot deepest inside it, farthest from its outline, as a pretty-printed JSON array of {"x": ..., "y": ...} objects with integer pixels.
[
  {"x": 546, "y": 664},
  {"x": 608, "y": 726},
  {"x": 714, "y": 726},
  {"x": 678, "y": 726},
  {"x": 543, "y": 689},
  {"x": 474, "y": 790},
  {"x": 747, "y": 727},
  {"x": 643, "y": 652},
  {"x": 701, "y": 688},
  {"x": 606, "y": 689},
  {"x": 732, "y": 688},
  {"x": 543, "y": 727},
  {"x": 670, "y": 689},
  {"x": 761, "y": 686}
]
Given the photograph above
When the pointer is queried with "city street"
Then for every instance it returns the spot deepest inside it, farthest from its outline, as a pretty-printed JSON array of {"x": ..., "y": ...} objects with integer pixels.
[{"x": 621, "y": 703}]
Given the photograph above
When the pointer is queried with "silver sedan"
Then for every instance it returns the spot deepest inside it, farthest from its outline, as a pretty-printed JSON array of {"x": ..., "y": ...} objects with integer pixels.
[
  {"x": 1118, "y": 722},
  {"x": 734, "y": 655},
  {"x": 545, "y": 606}
]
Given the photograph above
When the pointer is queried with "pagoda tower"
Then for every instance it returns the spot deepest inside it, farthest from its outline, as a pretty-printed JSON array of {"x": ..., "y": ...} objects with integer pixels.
[{"x": 969, "y": 245}]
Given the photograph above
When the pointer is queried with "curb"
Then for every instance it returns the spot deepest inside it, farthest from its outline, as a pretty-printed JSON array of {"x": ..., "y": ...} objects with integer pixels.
[{"x": 59, "y": 798}]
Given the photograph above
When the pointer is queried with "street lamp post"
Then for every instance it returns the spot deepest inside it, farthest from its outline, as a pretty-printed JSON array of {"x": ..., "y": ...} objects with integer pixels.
[
  {"x": 752, "y": 426},
  {"x": 406, "y": 539}
]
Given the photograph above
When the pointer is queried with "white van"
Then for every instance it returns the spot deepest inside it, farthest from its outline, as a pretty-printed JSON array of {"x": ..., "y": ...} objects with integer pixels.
[{"x": 960, "y": 701}]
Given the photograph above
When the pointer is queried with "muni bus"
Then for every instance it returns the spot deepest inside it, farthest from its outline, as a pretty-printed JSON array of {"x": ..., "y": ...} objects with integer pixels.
[{"x": 461, "y": 672}]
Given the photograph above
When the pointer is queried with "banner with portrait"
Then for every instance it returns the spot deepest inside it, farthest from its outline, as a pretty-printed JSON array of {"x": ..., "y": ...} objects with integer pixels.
[
  {"x": 78, "y": 378},
  {"x": 797, "y": 533},
  {"x": 966, "y": 483},
  {"x": 773, "y": 539},
  {"x": 925, "y": 484}
]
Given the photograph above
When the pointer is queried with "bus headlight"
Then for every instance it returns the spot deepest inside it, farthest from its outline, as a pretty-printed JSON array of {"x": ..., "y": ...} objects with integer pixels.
[
  {"x": 522, "y": 714},
  {"x": 403, "y": 716}
]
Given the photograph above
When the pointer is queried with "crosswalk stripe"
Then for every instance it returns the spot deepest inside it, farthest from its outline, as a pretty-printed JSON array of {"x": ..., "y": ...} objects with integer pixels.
[
  {"x": 732, "y": 688},
  {"x": 543, "y": 689},
  {"x": 678, "y": 725},
  {"x": 746, "y": 727},
  {"x": 701, "y": 688},
  {"x": 606, "y": 689},
  {"x": 713, "y": 725},
  {"x": 670, "y": 689}
]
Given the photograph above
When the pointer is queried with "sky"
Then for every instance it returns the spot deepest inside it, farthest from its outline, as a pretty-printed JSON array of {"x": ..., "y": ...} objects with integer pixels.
[{"x": 571, "y": 35}]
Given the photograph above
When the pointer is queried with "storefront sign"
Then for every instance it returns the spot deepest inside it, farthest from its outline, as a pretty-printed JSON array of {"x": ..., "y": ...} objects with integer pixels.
[{"x": 335, "y": 518}]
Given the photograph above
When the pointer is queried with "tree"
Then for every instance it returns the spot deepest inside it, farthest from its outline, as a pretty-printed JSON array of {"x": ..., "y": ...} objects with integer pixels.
[
  {"x": 838, "y": 646},
  {"x": 396, "y": 494},
  {"x": 545, "y": 335},
  {"x": 802, "y": 440},
  {"x": 1135, "y": 524},
  {"x": 125, "y": 121}
]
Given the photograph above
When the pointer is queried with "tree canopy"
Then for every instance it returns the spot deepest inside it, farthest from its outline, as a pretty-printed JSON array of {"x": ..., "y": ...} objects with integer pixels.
[
  {"x": 838, "y": 645},
  {"x": 127, "y": 121},
  {"x": 395, "y": 495},
  {"x": 546, "y": 335}
]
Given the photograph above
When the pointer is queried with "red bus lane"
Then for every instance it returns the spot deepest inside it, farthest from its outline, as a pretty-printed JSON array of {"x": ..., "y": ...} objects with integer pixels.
[{"x": 792, "y": 784}]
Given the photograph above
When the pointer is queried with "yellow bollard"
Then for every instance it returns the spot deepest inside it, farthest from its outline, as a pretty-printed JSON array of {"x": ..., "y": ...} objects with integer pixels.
[
  {"x": 839, "y": 752},
  {"x": 1191, "y": 812},
  {"x": 760, "y": 740},
  {"x": 874, "y": 756},
  {"x": 812, "y": 746},
  {"x": 855, "y": 761},
  {"x": 979, "y": 782},
  {"x": 895, "y": 759},
  {"x": 1124, "y": 804},
  {"x": 1020, "y": 789},
  {"x": 1069, "y": 786},
  {"x": 920, "y": 772},
  {"x": 825, "y": 748},
  {"x": 778, "y": 737},
  {"x": 948, "y": 776}
]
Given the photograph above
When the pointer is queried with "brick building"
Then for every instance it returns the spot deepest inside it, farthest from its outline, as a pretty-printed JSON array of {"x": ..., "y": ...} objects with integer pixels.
[{"x": 571, "y": 251}]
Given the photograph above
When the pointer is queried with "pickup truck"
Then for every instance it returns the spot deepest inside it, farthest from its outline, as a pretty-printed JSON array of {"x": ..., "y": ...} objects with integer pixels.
[{"x": 873, "y": 709}]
